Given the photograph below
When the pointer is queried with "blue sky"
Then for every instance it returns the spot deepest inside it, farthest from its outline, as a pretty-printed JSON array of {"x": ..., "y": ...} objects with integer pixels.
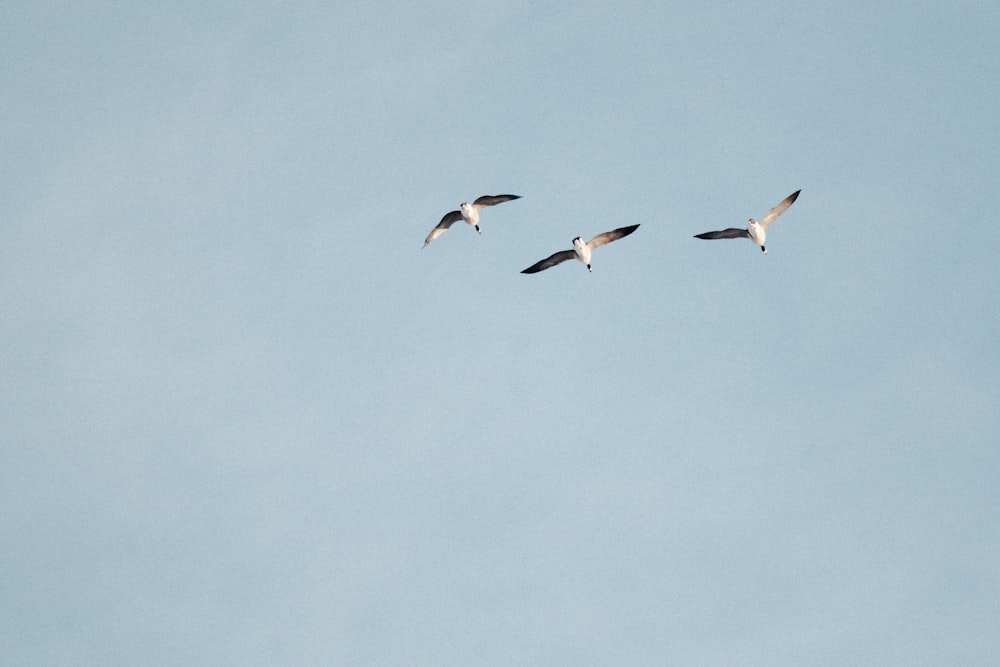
[{"x": 246, "y": 419}]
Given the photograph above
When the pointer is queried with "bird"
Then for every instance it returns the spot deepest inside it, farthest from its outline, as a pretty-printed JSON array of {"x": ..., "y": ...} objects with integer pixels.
[
  {"x": 469, "y": 213},
  {"x": 581, "y": 250},
  {"x": 755, "y": 231}
]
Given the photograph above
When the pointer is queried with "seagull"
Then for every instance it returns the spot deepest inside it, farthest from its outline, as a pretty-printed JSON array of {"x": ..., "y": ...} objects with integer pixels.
[
  {"x": 469, "y": 213},
  {"x": 755, "y": 231},
  {"x": 581, "y": 250}
]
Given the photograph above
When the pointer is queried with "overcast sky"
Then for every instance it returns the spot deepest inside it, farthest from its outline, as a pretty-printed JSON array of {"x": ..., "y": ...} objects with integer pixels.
[{"x": 246, "y": 420}]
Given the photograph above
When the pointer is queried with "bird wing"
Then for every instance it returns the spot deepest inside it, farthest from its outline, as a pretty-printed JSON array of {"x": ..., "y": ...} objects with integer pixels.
[
  {"x": 548, "y": 262},
  {"x": 608, "y": 237},
  {"x": 731, "y": 233},
  {"x": 493, "y": 200},
  {"x": 446, "y": 222},
  {"x": 773, "y": 214}
]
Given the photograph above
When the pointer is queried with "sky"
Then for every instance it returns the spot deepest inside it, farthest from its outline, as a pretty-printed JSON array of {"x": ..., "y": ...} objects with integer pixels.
[{"x": 245, "y": 419}]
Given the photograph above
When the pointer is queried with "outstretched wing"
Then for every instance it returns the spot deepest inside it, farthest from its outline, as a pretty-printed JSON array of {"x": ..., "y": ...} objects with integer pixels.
[
  {"x": 442, "y": 227},
  {"x": 773, "y": 214},
  {"x": 551, "y": 261},
  {"x": 731, "y": 233},
  {"x": 493, "y": 200},
  {"x": 608, "y": 237}
]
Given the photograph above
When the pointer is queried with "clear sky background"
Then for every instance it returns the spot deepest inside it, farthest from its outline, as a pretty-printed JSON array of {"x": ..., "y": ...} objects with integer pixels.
[{"x": 245, "y": 419}]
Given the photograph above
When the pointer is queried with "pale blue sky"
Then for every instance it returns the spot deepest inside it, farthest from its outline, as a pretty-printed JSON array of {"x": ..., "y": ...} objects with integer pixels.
[{"x": 245, "y": 419}]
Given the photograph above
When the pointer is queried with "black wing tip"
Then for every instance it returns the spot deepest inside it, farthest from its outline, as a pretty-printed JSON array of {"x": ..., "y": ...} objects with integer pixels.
[
  {"x": 625, "y": 231},
  {"x": 495, "y": 198},
  {"x": 794, "y": 195},
  {"x": 731, "y": 233}
]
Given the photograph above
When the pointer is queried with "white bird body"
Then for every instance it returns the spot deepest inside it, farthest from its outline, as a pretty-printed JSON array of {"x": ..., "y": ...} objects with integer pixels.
[
  {"x": 470, "y": 214},
  {"x": 582, "y": 250},
  {"x": 757, "y": 232}
]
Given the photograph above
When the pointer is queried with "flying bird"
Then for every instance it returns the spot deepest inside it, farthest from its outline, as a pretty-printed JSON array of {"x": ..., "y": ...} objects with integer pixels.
[
  {"x": 755, "y": 231},
  {"x": 469, "y": 213},
  {"x": 581, "y": 250}
]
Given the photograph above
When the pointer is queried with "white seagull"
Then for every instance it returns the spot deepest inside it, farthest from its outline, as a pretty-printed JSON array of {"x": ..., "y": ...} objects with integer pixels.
[
  {"x": 581, "y": 250},
  {"x": 755, "y": 231},
  {"x": 469, "y": 213}
]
